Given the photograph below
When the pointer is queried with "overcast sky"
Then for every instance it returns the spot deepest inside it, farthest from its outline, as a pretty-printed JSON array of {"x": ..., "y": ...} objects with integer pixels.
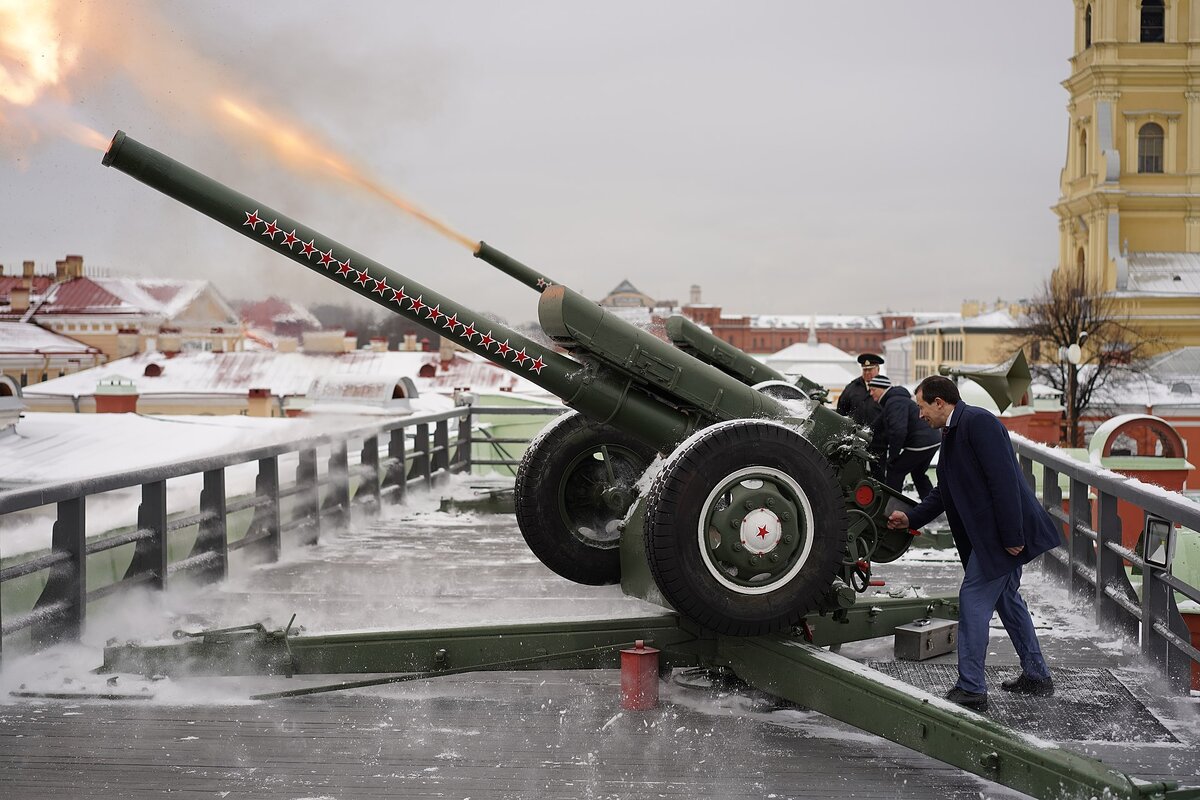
[{"x": 793, "y": 157}]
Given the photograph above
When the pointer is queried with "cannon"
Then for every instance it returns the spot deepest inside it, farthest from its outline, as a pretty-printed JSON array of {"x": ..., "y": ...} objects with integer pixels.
[{"x": 688, "y": 471}]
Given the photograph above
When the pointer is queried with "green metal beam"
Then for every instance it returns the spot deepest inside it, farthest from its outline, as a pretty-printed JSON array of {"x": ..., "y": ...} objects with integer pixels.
[
  {"x": 873, "y": 702},
  {"x": 252, "y": 650}
]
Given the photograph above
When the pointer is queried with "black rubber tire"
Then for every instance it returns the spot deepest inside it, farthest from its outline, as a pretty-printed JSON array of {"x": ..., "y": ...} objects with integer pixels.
[
  {"x": 542, "y": 477},
  {"x": 676, "y": 501}
]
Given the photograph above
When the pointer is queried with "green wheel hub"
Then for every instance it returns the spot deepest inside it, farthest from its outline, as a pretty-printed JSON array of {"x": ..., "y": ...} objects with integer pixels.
[
  {"x": 596, "y": 490},
  {"x": 755, "y": 530}
]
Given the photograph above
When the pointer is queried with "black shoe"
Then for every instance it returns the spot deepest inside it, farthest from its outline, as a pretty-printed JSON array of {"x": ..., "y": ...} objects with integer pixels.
[
  {"x": 972, "y": 700},
  {"x": 1023, "y": 684}
]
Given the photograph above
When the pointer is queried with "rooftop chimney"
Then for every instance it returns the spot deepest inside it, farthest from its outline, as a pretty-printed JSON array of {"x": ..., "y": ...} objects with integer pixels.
[
  {"x": 74, "y": 267},
  {"x": 18, "y": 299}
]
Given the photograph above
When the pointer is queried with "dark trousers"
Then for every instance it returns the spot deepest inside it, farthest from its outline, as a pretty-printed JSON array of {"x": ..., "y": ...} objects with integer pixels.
[
  {"x": 977, "y": 599},
  {"x": 911, "y": 462}
]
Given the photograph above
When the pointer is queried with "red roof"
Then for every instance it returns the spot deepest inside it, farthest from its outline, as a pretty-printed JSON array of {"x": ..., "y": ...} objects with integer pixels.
[
  {"x": 10, "y": 282},
  {"x": 82, "y": 296}
]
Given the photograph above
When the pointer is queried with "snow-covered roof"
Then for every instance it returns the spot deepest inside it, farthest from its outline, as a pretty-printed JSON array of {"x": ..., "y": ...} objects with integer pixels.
[
  {"x": 625, "y": 286},
  {"x": 57, "y": 447},
  {"x": 199, "y": 373},
  {"x": 25, "y": 337},
  {"x": 998, "y": 320},
  {"x": 1163, "y": 273},
  {"x": 840, "y": 321},
  {"x": 814, "y": 353},
  {"x": 1181, "y": 364}
]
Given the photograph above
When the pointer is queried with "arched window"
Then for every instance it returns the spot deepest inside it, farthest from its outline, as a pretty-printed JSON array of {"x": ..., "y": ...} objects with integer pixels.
[
  {"x": 1154, "y": 18},
  {"x": 1087, "y": 27},
  {"x": 1083, "y": 162},
  {"x": 1150, "y": 148},
  {"x": 1080, "y": 260}
]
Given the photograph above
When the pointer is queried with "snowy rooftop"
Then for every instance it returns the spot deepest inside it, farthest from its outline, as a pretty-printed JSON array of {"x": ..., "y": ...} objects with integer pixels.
[
  {"x": 997, "y": 320},
  {"x": 25, "y": 337},
  {"x": 282, "y": 373},
  {"x": 48, "y": 447},
  {"x": 1164, "y": 273}
]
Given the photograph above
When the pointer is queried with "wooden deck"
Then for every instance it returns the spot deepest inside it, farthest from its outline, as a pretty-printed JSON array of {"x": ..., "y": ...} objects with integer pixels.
[{"x": 544, "y": 734}]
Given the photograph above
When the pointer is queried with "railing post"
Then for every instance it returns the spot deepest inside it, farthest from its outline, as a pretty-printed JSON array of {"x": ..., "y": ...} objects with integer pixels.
[
  {"x": 1052, "y": 498},
  {"x": 397, "y": 471},
  {"x": 150, "y": 555},
  {"x": 1159, "y": 608},
  {"x": 1110, "y": 570},
  {"x": 441, "y": 448},
  {"x": 369, "y": 459},
  {"x": 1082, "y": 554},
  {"x": 213, "y": 536},
  {"x": 462, "y": 458},
  {"x": 266, "y": 516},
  {"x": 309, "y": 494},
  {"x": 339, "y": 489},
  {"x": 421, "y": 464},
  {"x": 1027, "y": 470},
  {"x": 67, "y": 584}
]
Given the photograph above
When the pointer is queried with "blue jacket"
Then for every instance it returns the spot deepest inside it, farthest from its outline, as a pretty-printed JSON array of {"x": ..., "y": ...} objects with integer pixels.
[
  {"x": 986, "y": 498},
  {"x": 901, "y": 425}
]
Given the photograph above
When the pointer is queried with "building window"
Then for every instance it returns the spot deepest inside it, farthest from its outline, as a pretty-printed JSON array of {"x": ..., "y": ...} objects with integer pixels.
[
  {"x": 1083, "y": 162},
  {"x": 1154, "y": 19},
  {"x": 1087, "y": 28},
  {"x": 1150, "y": 148}
]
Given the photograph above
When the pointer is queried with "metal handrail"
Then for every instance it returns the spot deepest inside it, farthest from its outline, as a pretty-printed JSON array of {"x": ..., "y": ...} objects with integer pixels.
[
  {"x": 394, "y": 455},
  {"x": 1094, "y": 561}
]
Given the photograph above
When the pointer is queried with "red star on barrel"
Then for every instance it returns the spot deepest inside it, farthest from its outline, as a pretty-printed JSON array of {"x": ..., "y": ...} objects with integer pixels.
[
  {"x": 537, "y": 365},
  {"x": 290, "y": 239},
  {"x": 451, "y": 322},
  {"x": 362, "y": 278},
  {"x": 487, "y": 340},
  {"x": 503, "y": 349},
  {"x": 416, "y": 305},
  {"x": 398, "y": 295},
  {"x": 435, "y": 313},
  {"x": 380, "y": 286},
  {"x": 468, "y": 331},
  {"x": 543, "y": 283},
  {"x": 520, "y": 357},
  {"x": 252, "y": 218},
  {"x": 343, "y": 268},
  {"x": 762, "y": 532},
  {"x": 327, "y": 259},
  {"x": 270, "y": 231},
  {"x": 308, "y": 248}
]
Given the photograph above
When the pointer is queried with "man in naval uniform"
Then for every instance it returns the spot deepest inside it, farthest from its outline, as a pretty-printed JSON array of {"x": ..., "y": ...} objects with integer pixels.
[{"x": 856, "y": 403}]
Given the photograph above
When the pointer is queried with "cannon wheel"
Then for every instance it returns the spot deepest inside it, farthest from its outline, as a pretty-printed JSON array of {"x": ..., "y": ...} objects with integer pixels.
[
  {"x": 574, "y": 486},
  {"x": 745, "y": 528}
]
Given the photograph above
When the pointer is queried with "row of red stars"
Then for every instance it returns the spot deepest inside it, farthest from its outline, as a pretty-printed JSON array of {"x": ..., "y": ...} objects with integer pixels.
[{"x": 325, "y": 259}]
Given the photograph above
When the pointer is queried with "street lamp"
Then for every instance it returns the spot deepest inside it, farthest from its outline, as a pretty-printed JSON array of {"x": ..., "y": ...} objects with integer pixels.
[{"x": 1070, "y": 357}]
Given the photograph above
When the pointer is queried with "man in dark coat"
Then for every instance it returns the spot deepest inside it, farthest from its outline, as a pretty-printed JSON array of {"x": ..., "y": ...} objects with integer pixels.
[
  {"x": 910, "y": 442},
  {"x": 856, "y": 403},
  {"x": 998, "y": 526}
]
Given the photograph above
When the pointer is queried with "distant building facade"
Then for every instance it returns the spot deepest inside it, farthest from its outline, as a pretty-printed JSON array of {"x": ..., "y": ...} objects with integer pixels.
[
  {"x": 124, "y": 315},
  {"x": 1129, "y": 210}
]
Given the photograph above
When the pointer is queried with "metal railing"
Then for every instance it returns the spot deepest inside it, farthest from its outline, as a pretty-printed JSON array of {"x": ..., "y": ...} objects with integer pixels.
[
  {"x": 1097, "y": 567},
  {"x": 390, "y": 457}
]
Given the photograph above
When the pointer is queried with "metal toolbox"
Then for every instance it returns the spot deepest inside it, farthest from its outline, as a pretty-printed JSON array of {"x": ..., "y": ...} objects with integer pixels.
[{"x": 926, "y": 638}]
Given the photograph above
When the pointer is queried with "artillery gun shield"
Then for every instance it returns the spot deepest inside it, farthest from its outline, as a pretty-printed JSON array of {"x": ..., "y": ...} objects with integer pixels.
[
  {"x": 745, "y": 528},
  {"x": 574, "y": 486}
]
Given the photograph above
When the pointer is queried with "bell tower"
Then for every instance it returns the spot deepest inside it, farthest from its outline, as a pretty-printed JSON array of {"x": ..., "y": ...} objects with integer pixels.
[{"x": 1129, "y": 206}]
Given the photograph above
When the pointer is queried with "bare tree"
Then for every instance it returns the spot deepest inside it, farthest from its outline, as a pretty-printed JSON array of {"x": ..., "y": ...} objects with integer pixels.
[{"x": 1074, "y": 310}]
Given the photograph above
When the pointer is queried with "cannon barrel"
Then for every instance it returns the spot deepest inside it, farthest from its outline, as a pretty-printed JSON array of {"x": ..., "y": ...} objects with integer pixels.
[{"x": 593, "y": 389}]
